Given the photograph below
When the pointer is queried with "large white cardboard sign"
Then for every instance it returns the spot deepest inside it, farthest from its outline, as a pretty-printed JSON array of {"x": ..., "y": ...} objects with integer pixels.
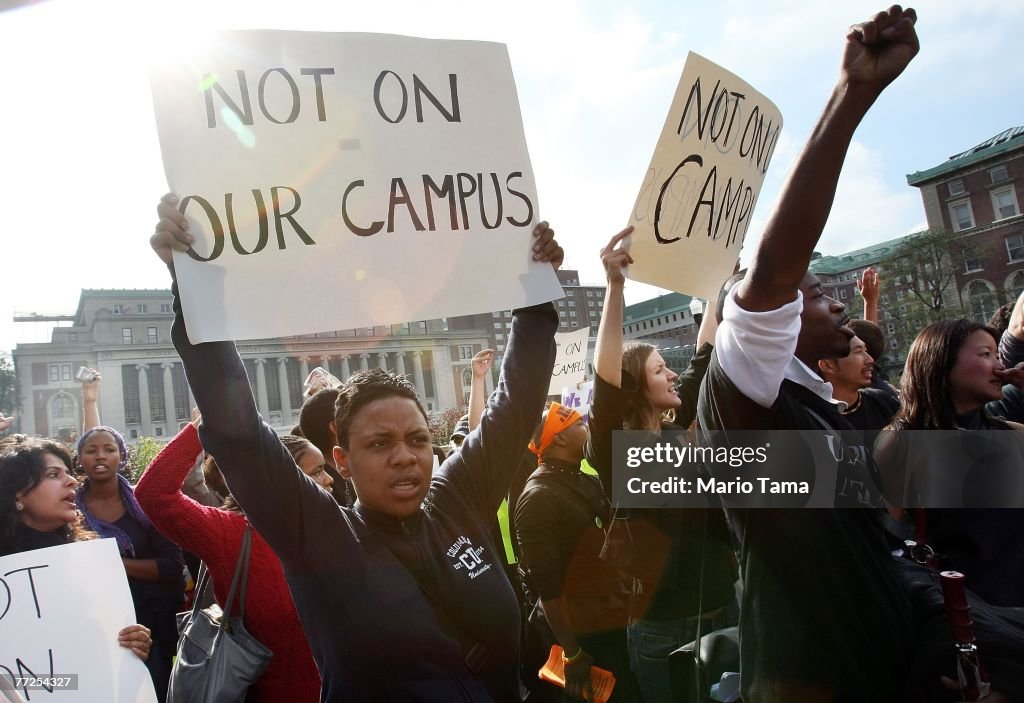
[
  {"x": 570, "y": 360},
  {"x": 60, "y": 611},
  {"x": 698, "y": 195},
  {"x": 343, "y": 180}
]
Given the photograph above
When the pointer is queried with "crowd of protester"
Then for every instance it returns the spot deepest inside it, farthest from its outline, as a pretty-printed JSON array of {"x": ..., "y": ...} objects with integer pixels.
[{"x": 377, "y": 572}]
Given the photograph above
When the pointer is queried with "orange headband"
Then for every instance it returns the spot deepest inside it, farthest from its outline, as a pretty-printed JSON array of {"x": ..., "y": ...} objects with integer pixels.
[{"x": 559, "y": 417}]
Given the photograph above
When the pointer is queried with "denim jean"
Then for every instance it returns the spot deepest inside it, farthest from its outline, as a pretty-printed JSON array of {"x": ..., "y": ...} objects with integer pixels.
[{"x": 651, "y": 641}]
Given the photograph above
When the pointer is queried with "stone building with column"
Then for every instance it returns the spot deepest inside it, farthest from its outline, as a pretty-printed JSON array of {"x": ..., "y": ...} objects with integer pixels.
[{"x": 126, "y": 336}]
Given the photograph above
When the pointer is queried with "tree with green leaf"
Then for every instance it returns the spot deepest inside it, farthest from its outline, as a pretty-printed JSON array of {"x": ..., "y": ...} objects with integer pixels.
[
  {"x": 141, "y": 455},
  {"x": 921, "y": 274},
  {"x": 920, "y": 284},
  {"x": 10, "y": 403},
  {"x": 442, "y": 424}
]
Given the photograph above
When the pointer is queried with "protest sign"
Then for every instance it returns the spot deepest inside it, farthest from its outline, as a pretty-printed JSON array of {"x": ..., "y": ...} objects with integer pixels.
[
  {"x": 698, "y": 195},
  {"x": 60, "y": 611},
  {"x": 570, "y": 360},
  {"x": 579, "y": 398},
  {"x": 344, "y": 180}
]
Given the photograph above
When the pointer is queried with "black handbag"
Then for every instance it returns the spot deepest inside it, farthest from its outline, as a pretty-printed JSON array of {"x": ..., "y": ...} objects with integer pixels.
[{"x": 218, "y": 660}]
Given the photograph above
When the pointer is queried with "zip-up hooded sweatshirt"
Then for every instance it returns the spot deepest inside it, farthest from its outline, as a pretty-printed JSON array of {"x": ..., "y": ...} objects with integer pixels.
[{"x": 393, "y": 609}]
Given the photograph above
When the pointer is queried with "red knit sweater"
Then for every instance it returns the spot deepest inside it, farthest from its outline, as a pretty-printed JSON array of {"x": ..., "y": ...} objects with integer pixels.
[{"x": 215, "y": 536}]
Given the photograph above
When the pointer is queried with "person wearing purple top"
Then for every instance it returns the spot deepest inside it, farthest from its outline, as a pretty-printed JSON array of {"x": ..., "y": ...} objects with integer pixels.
[{"x": 154, "y": 564}]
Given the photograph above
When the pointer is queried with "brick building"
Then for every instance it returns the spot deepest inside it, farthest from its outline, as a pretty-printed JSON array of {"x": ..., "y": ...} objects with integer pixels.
[
  {"x": 667, "y": 323},
  {"x": 839, "y": 275},
  {"x": 976, "y": 194},
  {"x": 581, "y": 307}
]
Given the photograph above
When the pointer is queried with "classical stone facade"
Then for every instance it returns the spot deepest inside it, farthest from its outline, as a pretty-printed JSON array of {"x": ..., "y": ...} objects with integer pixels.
[{"x": 125, "y": 335}]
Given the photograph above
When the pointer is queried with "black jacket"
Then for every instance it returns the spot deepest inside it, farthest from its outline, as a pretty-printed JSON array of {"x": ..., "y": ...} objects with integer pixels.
[{"x": 390, "y": 607}]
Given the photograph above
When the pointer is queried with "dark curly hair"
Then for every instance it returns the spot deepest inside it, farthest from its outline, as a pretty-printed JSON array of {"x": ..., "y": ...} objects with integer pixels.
[
  {"x": 21, "y": 470},
  {"x": 364, "y": 388}
]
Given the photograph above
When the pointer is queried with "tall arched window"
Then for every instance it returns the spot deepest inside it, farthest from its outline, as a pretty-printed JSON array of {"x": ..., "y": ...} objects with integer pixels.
[{"x": 981, "y": 301}]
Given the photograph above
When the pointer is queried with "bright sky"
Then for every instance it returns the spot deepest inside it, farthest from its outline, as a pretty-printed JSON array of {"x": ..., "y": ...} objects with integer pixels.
[{"x": 80, "y": 169}]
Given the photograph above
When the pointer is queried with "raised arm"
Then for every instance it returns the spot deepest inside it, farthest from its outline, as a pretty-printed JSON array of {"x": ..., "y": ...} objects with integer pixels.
[
  {"x": 606, "y": 410},
  {"x": 90, "y": 402},
  {"x": 1016, "y": 327},
  {"x": 690, "y": 379},
  {"x": 478, "y": 391},
  {"x": 194, "y": 485},
  {"x": 608, "y": 351},
  {"x": 490, "y": 455},
  {"x": 688, "y": 384},
  {"x": 708, "y": 329},
  {"x": 1011, "y": 346},
  {"x": 197, "y": 528},
  {"x": 868, "y": 286},
  {"x": 876, "y": 53},
  {"x": 283, "y": 504}
]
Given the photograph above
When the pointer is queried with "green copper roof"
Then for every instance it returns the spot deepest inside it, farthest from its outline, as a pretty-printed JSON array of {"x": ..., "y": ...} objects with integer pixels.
[
  {"x": 670, "y": 302},
  {"x": 1005, "y": 141},
  {"x": 857, "y": 259}
]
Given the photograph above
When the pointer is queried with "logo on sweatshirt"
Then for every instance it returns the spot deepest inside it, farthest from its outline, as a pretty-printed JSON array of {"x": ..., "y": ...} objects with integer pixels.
[{"x": 466, "y": 557}]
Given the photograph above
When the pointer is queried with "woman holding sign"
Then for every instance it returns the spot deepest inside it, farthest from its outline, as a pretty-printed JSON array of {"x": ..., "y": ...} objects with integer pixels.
[
  {"x": 37, "y": 509},
  {"x": 402, "y": 596},
  {"x": 634, "y": 389}
]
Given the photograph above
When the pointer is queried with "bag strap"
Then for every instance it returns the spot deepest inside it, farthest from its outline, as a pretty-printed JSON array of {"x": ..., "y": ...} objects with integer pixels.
[
  {"x": 241, "y": 577},
  {"x": 827, "y": 426},
  {"x": 244, "y": 558},
  {"x": 199, "y": 594},
  {"x": 698, "y": 665}
]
